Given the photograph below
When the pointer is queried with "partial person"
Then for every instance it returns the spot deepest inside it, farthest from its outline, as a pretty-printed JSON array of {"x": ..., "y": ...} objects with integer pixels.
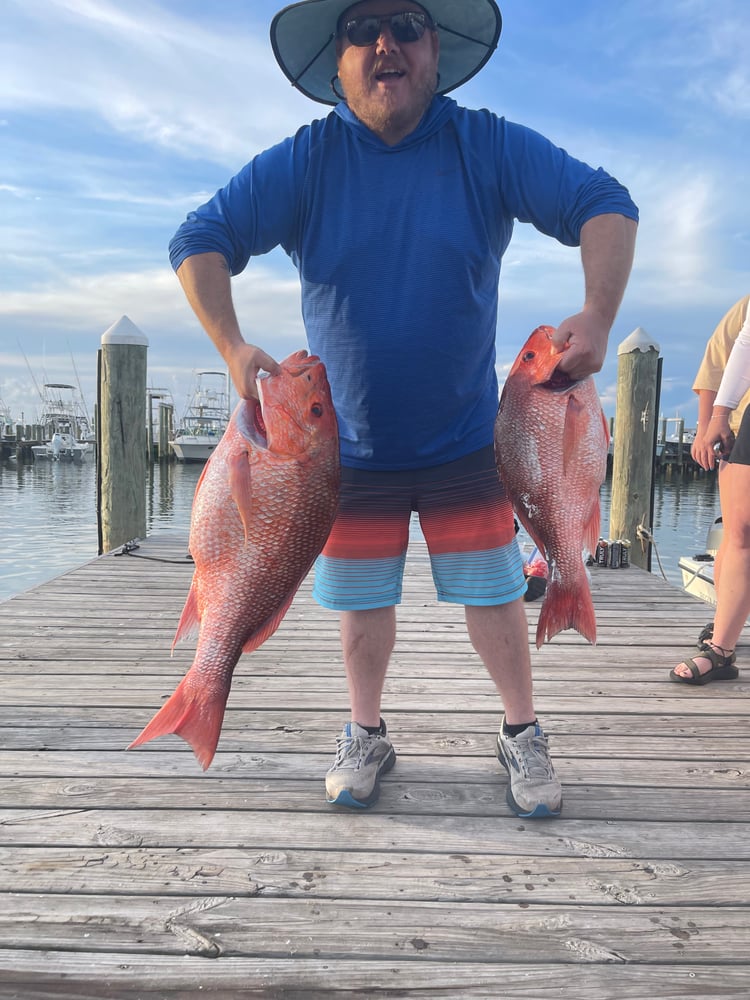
[
  {"x": 715, "y": 660},
  {"x": 396, "y": 209},
  {"x": 706, "y": 386}
]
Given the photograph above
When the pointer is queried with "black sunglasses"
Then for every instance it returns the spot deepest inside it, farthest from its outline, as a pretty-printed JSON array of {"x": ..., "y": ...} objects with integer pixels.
[{"x": 409, "y": 26}]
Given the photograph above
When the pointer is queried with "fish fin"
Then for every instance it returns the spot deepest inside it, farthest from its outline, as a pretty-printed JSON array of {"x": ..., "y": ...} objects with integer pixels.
[
  {"x": 566, "y": 607},
  {"x": 571, "y": 431},
  {"x": 190, "y": 619},
  {"x": 240, "y": 487},
  {"x": 532, "y": 532},
  {"x": 593, "y": 523},
  {"x": 592, "y": 526},
  {"x": 268, "y": 628},
  {"x": 192, "y": 713}
]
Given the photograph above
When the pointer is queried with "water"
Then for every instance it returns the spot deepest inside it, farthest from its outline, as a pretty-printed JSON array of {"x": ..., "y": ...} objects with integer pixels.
[{"x": 48, "y": 517}]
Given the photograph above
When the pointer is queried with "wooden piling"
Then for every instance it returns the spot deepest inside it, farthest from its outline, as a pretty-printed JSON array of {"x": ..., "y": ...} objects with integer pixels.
[
  {"x": 166, "y": 422},
  {"x": 121, "y": 435},
  {"x": 634, "y": 439}
]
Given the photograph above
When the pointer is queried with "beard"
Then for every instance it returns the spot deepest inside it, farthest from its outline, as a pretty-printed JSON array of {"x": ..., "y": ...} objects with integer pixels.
[{"x": 387, "y": 114}]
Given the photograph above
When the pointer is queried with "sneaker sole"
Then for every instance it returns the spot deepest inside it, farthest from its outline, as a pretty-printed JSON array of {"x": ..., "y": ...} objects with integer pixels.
[
  {"x": 345, "y": 797},
  {"x": 540, "y": 811}
]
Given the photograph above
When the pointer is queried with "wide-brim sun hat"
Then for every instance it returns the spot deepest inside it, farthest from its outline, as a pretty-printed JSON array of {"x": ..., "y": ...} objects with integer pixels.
[{"x": 303, "y": 37}]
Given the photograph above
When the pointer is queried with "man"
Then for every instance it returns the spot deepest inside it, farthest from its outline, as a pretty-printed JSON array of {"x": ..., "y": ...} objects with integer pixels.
[{"x": 396, "y": 210}]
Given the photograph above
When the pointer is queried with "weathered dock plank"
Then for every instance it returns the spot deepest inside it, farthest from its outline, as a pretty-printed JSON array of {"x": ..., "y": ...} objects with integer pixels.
[{"x": 133, "y": 874}]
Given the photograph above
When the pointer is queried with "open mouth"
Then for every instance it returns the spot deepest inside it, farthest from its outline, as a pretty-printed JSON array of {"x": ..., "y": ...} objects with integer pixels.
[
  {"x": 251, "y": 425},
  {"x": 559, "y": 381},
  {"x": 259, "y": 422},
  {"x": 389, "y": 75}
]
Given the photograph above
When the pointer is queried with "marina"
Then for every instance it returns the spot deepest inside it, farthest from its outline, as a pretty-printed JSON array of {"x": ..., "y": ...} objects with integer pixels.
[
  {"x": 133, "y": 874},
  {"x": 62, "y": 431},
  {"x": 49, "y": 522},
  {"x": 205, "y": 418}
]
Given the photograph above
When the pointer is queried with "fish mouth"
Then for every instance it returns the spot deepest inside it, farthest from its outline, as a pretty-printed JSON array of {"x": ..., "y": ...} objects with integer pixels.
[
  {"x": 259, "y": 424},
  {"x": 251, "y": 425},
  {"x": 559, "y": 382}
]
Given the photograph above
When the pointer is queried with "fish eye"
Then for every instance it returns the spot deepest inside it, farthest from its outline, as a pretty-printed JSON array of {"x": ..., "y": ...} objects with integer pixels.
[
  {"x": 529, "y": 356},
  {"x": 317, "y": 410}
]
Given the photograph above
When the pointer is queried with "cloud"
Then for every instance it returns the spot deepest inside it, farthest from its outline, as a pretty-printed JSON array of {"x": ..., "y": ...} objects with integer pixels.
[{"x": 133, "y": 67}]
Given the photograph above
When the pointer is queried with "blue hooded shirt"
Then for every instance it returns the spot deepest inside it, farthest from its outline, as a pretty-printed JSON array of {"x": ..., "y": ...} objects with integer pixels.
[{"x": 398, "y": 250}]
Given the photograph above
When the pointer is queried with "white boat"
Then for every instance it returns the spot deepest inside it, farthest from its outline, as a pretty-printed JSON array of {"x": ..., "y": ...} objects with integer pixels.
[
  {"x": 205, "y": 418},
  {"x": 698, "y": 571},
  {"x": 7, "y": 434},
  {"x": 62, "y": 447},
  {"x": 66, "y": 431}
]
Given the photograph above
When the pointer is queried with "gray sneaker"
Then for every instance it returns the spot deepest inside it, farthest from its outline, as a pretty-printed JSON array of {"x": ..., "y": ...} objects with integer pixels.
[
  {"x": 533, "y": 789},
  {"x": 354, "y": 778}
]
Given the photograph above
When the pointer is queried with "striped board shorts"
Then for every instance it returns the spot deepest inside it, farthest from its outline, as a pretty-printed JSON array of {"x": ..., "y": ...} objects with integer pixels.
[{"x": 465, "y": 517}]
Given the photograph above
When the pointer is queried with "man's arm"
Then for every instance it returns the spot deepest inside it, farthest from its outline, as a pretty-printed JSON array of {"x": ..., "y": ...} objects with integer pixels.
[
  {"x": 607, "y": 249},
  {"x": 206, "y": 281}
]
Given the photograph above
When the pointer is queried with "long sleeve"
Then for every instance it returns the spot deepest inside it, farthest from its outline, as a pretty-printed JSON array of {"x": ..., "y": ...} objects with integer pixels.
[{"x": 735, "y": 381}]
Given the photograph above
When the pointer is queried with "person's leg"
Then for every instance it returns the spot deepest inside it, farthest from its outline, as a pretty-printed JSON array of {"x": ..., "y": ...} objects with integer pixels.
[
  {"x": 499, "y": 634},
  {"x": 719, "y": 557},
  {"x": 733, "y": 582},
  {"x": 359, "y": 574},
  {"x": 733, "y": 595},
  {"x": 468, "y": 524},
  {"x": 367, "y": 639},
  {"x": 733, "y": 586}
]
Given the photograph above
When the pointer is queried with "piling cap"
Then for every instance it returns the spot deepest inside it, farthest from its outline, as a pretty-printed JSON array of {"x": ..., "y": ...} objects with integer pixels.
[
  {"x": 124, "y": 331},
  {"x": 638, "y": 340}
]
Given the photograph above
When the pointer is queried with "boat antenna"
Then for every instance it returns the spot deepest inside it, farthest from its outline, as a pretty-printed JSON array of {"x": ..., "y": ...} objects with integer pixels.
[
  {"x": 80, "y": 390},
  {"x": 36, "y": 384}
]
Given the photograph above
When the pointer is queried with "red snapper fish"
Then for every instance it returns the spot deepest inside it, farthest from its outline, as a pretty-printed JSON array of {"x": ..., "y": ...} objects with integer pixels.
[
  {"x": 551, "y": 440},
  {"x": 262, "y": 511}
]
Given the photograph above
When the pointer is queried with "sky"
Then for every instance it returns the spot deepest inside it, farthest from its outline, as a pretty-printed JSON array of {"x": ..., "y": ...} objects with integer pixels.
[{"x": 117, "y": 117}]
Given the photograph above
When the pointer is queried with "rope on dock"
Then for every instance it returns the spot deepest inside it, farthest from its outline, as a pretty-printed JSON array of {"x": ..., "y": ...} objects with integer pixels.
[
  {"x": 644, "y": 535},
  {"x": 129, "y": 549}
]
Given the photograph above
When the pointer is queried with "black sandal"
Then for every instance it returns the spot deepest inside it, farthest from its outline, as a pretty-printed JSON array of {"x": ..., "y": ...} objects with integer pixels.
[
  {"x": 704, "y": 635},
  {"x": 722, "y": 666}
]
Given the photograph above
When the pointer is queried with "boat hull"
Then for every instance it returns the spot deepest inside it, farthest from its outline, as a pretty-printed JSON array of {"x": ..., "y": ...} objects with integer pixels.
[
  {"x": 698, "y": 578},
  {"x": 195, "y": 449}
]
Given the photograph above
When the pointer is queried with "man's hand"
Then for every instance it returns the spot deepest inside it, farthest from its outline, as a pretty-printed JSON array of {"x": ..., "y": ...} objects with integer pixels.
[
  {"x": 245, "y": 361},
  {"x": 583, "y": 340}
]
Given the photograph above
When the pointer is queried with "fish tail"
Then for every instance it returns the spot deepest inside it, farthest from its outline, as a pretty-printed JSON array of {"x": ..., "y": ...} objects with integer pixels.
[
  {"x": 566, "y": 607},
  {"x": 195, "y": 714}
]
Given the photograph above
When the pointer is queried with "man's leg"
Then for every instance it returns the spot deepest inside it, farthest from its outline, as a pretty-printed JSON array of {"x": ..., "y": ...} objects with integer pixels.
[
  {"x": 367, "y": 640},
  {"x": 467, "y": 521},
  {"x": 499, "y": 633},
  {"x": 364, "y": 752},
  {"x": 359, "y": 574}
]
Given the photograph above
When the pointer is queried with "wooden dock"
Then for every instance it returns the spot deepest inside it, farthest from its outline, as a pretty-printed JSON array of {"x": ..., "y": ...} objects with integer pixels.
[{"x": 134, "y": 875}]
